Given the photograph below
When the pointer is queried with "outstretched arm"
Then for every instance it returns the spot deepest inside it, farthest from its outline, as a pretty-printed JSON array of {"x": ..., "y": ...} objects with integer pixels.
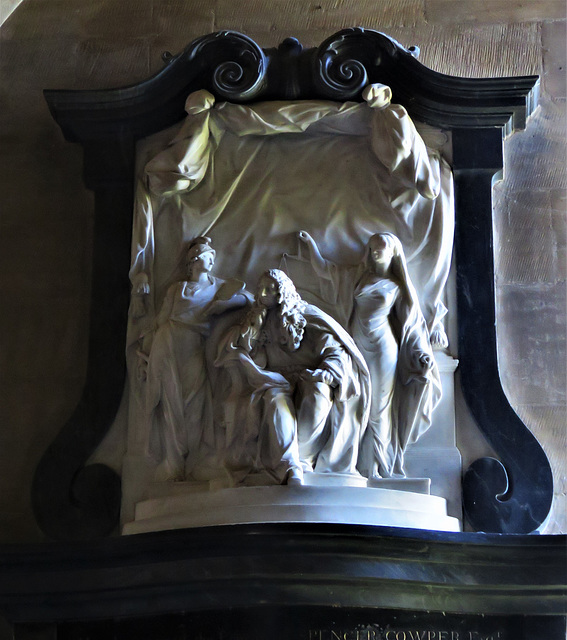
[
  {"x": 319, "y": 263},
  {"x": 216, "y": 307}
]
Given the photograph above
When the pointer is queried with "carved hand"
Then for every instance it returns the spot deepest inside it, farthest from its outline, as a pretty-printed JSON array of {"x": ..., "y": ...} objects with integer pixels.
[
  {"x": 143, "y": 289},
  {"x": 304, "y": 237},
  {"x": 438, "y": 337},
  {"x": 141, "y": 284},
  {"x": 319, "y": 375}
]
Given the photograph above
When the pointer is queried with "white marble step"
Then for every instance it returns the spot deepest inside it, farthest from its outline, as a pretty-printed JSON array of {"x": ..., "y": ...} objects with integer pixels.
[{"x": 344, "y": 505}]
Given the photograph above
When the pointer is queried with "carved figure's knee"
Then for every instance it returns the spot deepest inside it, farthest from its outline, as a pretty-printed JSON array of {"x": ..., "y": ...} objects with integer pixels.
[{"x": 317, "y": 392}]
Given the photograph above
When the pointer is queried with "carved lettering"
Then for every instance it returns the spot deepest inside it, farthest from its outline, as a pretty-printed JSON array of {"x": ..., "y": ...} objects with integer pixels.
[
  {"x": 403, "y": 634},
  {"x": 476, "y": 635},
  {"x": 354, "y": 634}
]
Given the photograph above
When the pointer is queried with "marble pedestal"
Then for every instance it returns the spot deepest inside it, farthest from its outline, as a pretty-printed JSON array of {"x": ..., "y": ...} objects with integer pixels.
[
  {"x": 188, "y": 505},
  {"x": 433, "y": 466}
]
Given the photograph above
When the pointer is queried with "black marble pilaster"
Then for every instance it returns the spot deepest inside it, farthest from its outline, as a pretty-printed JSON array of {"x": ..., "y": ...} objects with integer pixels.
[
  {"x": 70, "y": 500},
  {"x": 513, "y": 494}
]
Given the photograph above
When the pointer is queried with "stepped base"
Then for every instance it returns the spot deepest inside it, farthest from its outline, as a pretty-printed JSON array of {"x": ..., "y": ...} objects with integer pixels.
[{"x": 192, "y": 506}]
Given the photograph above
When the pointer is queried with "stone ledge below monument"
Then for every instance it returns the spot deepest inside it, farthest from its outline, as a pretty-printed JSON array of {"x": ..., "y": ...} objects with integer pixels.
[
  {"x": 249, "y": 505},
  {"x": 240, "y": 567}
]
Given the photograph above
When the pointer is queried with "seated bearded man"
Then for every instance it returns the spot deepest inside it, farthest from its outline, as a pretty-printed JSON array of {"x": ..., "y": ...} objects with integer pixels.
[{"x": 302, "y": 376}]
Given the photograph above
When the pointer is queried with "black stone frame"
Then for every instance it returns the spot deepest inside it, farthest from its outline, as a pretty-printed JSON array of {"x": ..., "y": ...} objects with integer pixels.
[
  {"x": 513, "y": 495},
  {"x": 275, "y": 581}
]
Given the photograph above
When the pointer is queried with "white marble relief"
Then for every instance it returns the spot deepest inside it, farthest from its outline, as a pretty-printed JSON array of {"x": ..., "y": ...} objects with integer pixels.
[
  {"x": 376, "y": 302},
  {"x": 326, "y": 370}
]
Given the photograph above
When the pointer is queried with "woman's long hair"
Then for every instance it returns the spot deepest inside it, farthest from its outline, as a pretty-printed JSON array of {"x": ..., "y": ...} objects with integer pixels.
[{"x": 398, "y": 268}]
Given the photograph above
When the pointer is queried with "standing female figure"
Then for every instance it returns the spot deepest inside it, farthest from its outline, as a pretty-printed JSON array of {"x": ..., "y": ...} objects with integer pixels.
[
  {"x": 178, "y": 387},
  {"x": 377, "y": 303}
]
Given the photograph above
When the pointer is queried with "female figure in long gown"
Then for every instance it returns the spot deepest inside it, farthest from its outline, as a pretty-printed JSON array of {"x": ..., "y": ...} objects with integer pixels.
[
  {"x": 178, "y": 387},
  {"x": 377, "y": 303}
]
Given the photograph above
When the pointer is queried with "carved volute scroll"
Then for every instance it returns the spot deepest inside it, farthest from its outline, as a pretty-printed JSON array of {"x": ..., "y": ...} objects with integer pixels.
[
  {"x": 511, "y": 496},
  {"x": 239, "y": 69},
  {"x": 350, "y": 59}
]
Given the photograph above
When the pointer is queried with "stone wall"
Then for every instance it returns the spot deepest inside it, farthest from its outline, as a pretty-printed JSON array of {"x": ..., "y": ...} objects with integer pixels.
[{"x": 46, "y": 213}]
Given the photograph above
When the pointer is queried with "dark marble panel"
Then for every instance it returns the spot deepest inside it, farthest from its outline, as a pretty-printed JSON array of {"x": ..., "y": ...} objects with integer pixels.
[
  {"x": 316, "y": 623},
  {"x": 333, "y": 567}
]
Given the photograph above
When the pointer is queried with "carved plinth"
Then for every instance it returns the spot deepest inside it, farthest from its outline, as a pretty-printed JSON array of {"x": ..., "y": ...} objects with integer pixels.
[{"x": 334, "y": 505}]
